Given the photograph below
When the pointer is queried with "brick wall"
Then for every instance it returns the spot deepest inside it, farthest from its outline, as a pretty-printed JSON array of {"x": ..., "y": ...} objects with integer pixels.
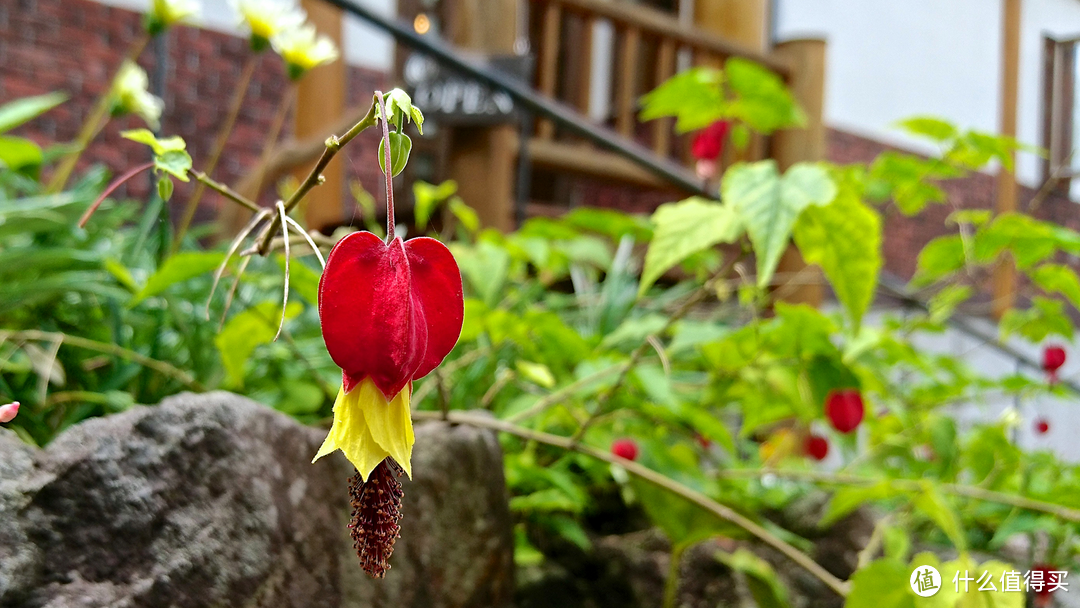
[{"x": 75, "y": 46}]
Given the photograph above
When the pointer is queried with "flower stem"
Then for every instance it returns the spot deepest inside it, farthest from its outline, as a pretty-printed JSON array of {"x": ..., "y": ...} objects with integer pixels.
[
  {"x": 109, "y": 190},
  {"x": 389, "y": 170},
  {"x": 671, "y": 583},
  {"x": 99, "y": 115},
  {"x": 219, "y": 146},
  {"x": 222, "y": 189},
  {"x": 314, "y": 178}
]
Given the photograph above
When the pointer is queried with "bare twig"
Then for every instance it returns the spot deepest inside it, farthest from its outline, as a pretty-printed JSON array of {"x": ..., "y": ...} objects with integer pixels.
[
  {"x": 224, "y": 190},
  {"x": 721, "y": 511}
]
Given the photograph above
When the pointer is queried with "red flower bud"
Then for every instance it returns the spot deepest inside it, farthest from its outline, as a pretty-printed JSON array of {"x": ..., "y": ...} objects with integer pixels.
[
  {"x": 845, "y": 409},
  {"x": 1053, "y": 359},
  {"x": 390, "y": 311},
  {"x": 709, "y": 142},
  {"x": 1042, "y": 426},
  {"x": 625, "y": 448},
  {"x": 816, "y": 447}
]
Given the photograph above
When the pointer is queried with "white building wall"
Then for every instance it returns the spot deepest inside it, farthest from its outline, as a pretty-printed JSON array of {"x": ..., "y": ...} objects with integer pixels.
[{"x": 890, "y": 59}]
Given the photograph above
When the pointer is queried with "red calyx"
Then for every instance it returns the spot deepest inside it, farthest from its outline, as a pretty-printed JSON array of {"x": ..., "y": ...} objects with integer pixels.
[
  {"x": 845, "y": 409},
  {"x": 1053, "y": 359},
  {"x": 625, "y": 448},
  {"x": 816, "y": 447},
  {"x": 391, "y": 311},
  {"x": 1042, "y": 426},
  {"x": 709, "y": 143}
]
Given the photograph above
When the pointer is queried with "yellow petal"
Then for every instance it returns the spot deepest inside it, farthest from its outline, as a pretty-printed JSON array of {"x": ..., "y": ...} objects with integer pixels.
[{"x": 367, "y": 428}]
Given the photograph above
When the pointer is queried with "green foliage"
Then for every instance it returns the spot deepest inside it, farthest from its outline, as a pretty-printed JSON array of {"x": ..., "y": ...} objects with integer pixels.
[
  {"x": 683, "y": 229},
  {"x": 769, "y": 204}
]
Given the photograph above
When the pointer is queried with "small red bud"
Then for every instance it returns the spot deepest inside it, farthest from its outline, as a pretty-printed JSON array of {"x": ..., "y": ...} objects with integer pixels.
[
  {"x": 816, "y": 447},
  {"x": 845, "y": 409},
  {"x": 1053, "y": 359},
  {"x": 1042, "y": 426},
  {"x": 625, "y": 448},
  {"x": 9, "y": 411}
]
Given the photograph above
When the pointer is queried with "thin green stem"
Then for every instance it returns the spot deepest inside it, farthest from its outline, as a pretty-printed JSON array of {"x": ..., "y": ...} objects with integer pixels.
[
  {"x": 99, "y": 115},
  {"x": 161, "y": 367},
  {"x": 222, "y": 189},
  {"x": 219, "y": 146},
  {"x": 662, "y": 481},
  {"x": 671, "y": 583}
]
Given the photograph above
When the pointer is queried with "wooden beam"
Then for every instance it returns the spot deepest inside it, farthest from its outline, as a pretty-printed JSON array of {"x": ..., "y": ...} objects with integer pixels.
[
  {"x": 548, "y": 69},
  {"x": 790, "y": 146},
  {"x": 627, "y": 96},
  {"x": 1005, "y": 272},
  {"x": 320, "y": 102},
  {"x": 585, "y": 160}
]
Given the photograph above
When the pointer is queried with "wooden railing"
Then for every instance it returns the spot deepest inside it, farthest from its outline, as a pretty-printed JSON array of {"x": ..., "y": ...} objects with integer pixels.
[{"x": 634, "y": 26}]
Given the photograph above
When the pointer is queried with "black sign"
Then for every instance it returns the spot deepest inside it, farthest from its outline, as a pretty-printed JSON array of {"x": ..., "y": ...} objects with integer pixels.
[{"x": 454, "y": 99}]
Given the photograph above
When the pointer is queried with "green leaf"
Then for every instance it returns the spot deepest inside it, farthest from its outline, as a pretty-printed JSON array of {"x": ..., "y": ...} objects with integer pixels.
[
  {"x": 844, "y": 238},
  {"x": 1029, "y": 240},
  {"x": 17, "y": 153},
  {"x": 485, "y": 268},
  {"x": 537, "y": 373},
  {"x": 401, "y": 109},
  {"x": 684, "y": 228},
  {"x": 464, "y": 214},
  {"x": 932, "y": 128},
  {"x": 693, "y": 97},
  {"x": 1056, "y": 278},
  {"x": 1044, "y": 318},
  {"x": 176, "y": 269},
  {"x": 174, "y": 143},
  {"x": 847, "y": 499},
  {"x": 20, "y": 111},
  {"x": 939, "y": 258},
  {"x": 247, "y": 330},
  {"x": 944, "y": 302},
  {"x": 761, "y": 99},
  {"x": 933, "y": 505},
  {"x": 881, "y": 584},
  {"x": 400, "y": 147},
  {"x": 764, "y": 585},
  {"x": 165, "y": 188},
  {"x": 426, "y": 198},
  {"x": 769, "y": 205},
  {"x": 682, "y": 521},
  {"x": 174, "y": 162}
]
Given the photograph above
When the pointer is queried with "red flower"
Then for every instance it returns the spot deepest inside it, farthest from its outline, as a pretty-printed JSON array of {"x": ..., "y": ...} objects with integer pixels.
[
  {"x": 625, "y": 448},
  {"x": 816, "y": 447},
  {"x": 709, "y": 142},
  {"x": 845, "y": 409},
  {"x": 1040, "y": 583},
  {"x": 1042, "y": 426},
  {"x": 1053, "y": 359}
]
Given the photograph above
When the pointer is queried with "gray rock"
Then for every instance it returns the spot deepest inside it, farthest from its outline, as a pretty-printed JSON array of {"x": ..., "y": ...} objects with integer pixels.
[{"x": 211, "y": 500}]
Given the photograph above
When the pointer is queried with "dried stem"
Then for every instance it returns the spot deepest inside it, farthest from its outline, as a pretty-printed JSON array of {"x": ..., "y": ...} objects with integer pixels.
[
  {"x": 224, "y": 190},
  {"x": 219, "y": 146},
  {"x": 285, "y": 298}
]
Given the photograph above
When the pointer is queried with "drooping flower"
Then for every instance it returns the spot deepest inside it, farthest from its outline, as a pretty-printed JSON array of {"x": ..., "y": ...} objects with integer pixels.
[
  {"x": 816, "y": 447},
  {"x": 1042, "y": 426},
  {"x": 302, "y": 49},
  {"x": 390, "y": 312},
  {"x": 845, "y": 409},
  {"x": 708, "y": 144},
  {"x": 8, "y": 412},
  {"x": 165, "y": 13},
  {"x": 267, "y": 18},
  {"x": 625, "y": 448},
  {"x": 1053, "y": 359},
  {"x": 130, "y": 95}
]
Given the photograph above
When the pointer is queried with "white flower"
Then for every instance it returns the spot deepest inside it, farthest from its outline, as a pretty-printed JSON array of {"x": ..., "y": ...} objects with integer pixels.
[
  {"x": 266, "y": 18},
  {"x": 302, "y": 49},
  {"x": 164, "y": 13},
  {"x": 131, "y": 97}
]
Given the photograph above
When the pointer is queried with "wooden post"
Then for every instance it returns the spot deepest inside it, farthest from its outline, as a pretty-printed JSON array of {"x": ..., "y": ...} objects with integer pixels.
[
  {"x": 483, "y": 160},
  {"x": 320, "y": 103},
  {"x": 790, "y": 146},
  {"x": 742, "y": 21},
  {"x": 1005, "y": 272}
]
